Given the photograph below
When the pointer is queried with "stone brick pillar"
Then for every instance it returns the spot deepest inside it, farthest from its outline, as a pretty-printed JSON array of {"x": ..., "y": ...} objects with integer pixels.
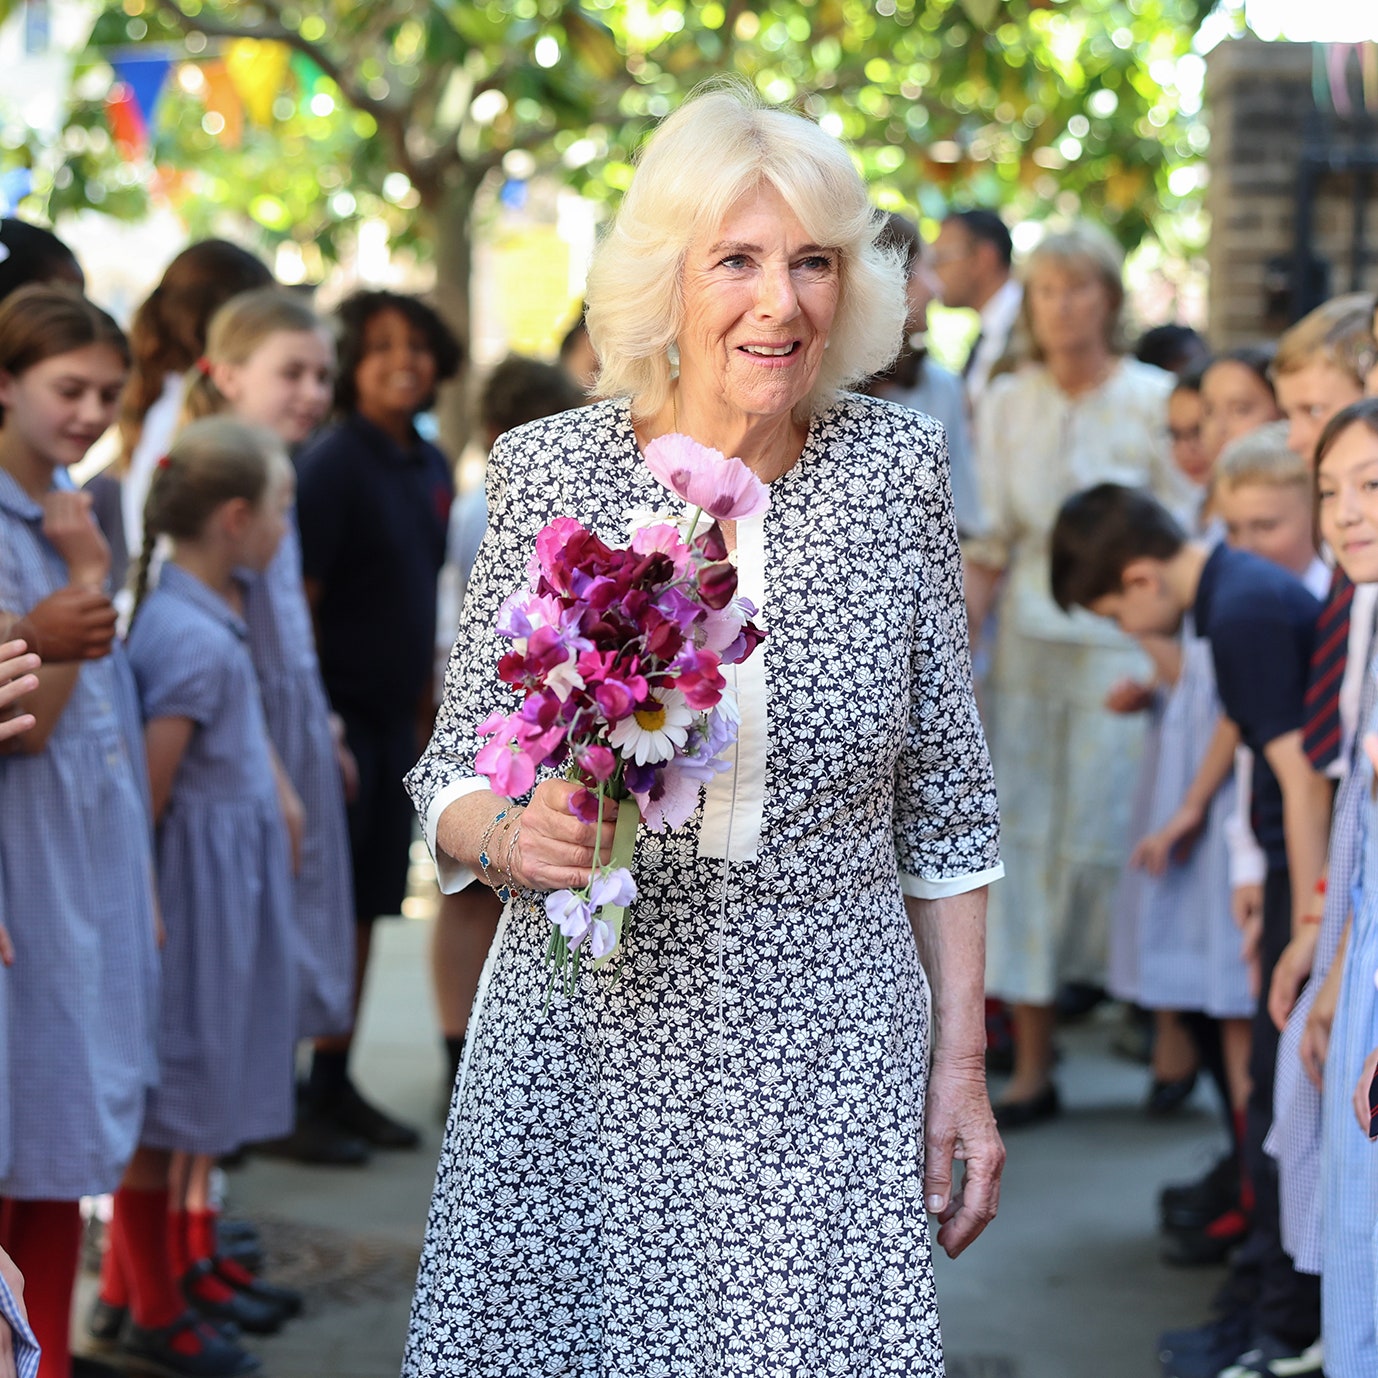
[{"x": 1272, "y": 155}]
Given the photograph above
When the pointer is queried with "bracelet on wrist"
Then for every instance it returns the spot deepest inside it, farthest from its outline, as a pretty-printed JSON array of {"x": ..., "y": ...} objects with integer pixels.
[
  {"x": 514, "y": 833},
  {"x": 503, "y": 892}
]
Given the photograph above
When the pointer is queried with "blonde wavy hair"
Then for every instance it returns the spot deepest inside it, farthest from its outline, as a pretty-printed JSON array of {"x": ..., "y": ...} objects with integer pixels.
[{"x": 721, "y": 143}]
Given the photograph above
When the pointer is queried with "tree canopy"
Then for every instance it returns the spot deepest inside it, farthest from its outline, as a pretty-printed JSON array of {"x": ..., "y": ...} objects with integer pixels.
[{"x": 403, "y": 109}]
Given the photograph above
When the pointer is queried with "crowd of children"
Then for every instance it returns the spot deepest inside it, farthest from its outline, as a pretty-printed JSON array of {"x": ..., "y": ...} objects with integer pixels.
[
  {"x": 1246, "y": 918},
  {"x": 202, "y": 812},
  {"x": 217, "y": 662}
]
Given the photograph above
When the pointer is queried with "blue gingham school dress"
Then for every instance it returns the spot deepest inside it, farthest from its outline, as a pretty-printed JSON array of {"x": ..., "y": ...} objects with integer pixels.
[
  {"x": 1349, "y": 1161},
  {"x": 1295, "y": 1138},
  {"x": 283, "y": 646},
  {"x": 76, "y": 890},
  {"x": 1173, "y": 943},
  {"x": 229, "y": 1021}
]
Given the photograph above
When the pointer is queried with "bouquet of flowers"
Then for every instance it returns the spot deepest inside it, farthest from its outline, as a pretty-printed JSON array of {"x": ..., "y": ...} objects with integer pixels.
[{"x": 617, "y": 653}]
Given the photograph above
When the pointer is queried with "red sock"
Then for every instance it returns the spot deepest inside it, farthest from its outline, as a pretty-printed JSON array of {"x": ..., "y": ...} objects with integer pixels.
[
  {"x": 114, "y": 1290},
  {"x": 200, "y": 1249},
  {"x": 44, "y": 1239},
  {"x": 140, "y": 1236},
  {"x": 177, "y": 1243}
]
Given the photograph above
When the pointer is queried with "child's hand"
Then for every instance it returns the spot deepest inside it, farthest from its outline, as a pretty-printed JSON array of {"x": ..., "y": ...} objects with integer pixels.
[
  {"x": 71, "y": 624},
  {"x": 1129, "y": 696},
  {"x": 1252, "y": 930},
  {"x": 344, "y": 758},
  {"x": 1371, "y": 751},
  {"x": 1315, "y": 1043},
  {"x": 1290, "y": 973},
  {"x": 17, "y": 678},
  {"x": 1362, "y": 1112},
  {"x": 6, "y": 947},
  {"x": 69, "y": 525},
  {"x": 1173, "y": 842},
  {"x": 293, "y": 818},
  {"x": 1246, "y": 905}
]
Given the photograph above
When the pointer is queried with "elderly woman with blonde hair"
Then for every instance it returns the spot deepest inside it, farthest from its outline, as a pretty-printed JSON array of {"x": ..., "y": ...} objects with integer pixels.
[
  {"x": 1077, "y": 413},
  {"x": 721, "y": 1159}
]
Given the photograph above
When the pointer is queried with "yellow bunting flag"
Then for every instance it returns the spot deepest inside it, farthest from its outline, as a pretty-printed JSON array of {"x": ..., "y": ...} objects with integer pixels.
[{"x": 258, "y": 68}]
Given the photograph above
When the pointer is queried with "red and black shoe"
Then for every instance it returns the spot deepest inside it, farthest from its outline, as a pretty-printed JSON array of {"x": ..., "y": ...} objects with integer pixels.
[{"x": 1212, "y": 1243}]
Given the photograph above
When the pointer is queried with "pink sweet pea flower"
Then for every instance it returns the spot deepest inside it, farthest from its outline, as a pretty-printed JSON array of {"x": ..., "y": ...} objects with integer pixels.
[{"x": 725, "y": 488}]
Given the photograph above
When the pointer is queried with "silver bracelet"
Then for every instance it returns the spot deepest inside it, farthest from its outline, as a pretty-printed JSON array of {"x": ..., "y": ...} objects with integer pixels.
[{"x": 514, "y": 833}]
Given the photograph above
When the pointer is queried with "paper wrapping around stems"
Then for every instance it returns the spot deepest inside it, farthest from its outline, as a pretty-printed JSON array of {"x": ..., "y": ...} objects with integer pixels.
[{"x": 623, "y": 850}]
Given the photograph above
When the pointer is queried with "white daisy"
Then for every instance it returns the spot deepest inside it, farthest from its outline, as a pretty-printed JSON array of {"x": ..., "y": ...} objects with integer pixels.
[{"x": 657, "y": 729}]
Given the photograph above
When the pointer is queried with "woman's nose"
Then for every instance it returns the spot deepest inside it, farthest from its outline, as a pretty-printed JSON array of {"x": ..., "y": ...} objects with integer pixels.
[{"x": 775, "y": 295}]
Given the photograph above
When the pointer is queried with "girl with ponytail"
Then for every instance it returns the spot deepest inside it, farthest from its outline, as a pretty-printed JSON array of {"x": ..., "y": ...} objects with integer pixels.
[{"x": 220, "y": 498}]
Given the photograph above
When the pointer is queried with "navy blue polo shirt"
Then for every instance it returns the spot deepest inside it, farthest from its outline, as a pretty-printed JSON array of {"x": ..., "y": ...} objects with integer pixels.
[
  {"x": 373, "y": 516},
  {"x": 1261, "y": 625}
]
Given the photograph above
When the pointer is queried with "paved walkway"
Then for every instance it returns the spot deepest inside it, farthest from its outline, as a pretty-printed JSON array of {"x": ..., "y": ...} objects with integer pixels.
[{"x": 1066, "y": 1284}]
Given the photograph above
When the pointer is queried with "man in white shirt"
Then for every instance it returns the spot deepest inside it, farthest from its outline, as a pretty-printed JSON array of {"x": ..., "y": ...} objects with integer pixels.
[{"x": 971, "y": 257}]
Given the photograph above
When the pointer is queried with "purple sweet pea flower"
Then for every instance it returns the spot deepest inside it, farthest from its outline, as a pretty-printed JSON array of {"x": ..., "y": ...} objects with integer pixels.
[
  {"x": 602, "y": 938},
  {"x": 612, "y": 887},
  {"x": 571, "y": 913}
]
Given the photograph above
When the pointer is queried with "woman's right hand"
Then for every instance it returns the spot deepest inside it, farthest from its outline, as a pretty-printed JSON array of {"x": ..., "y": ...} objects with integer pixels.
[{"x": 554, "y": 849}]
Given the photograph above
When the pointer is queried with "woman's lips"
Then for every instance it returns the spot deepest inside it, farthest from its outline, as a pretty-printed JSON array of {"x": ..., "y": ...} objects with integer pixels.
[{"x": 772, "y": 355}]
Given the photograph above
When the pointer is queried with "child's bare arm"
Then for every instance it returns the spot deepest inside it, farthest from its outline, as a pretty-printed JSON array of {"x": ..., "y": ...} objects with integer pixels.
[
  {"x": 1306, "y": 799},
  {"x": 165, "y": 741},
  {"x": 1155, "y": 851}
]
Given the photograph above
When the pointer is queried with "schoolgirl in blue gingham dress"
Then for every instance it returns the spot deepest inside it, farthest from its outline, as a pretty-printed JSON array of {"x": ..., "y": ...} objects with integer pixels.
[
  {"x": 77, "y": 876},
  {"x": 283, "y": 646},
  {"x": 1173, "y": 944},
  {"x": 229, "y": 1016},
  {"x": 1295, "y": 1140},
  {"x": 1349, "y": 1161}
]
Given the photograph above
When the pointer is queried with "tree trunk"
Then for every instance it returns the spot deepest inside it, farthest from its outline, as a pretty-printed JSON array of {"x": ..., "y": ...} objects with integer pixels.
[{"x": 452, "y": 224}]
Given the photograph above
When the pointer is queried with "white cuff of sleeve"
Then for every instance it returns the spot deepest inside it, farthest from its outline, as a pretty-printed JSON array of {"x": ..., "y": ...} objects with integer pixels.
[
  {"x": 453, "y": 875},
  {"x": 919, "y": 888}
]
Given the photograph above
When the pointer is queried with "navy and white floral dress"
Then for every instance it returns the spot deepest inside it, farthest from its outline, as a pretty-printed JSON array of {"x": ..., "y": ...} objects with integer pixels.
[{"x": 713, "y": 1165}]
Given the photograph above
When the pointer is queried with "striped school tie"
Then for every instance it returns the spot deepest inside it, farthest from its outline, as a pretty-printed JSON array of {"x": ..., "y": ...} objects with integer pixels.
[{"x": 1321, "y": 735}]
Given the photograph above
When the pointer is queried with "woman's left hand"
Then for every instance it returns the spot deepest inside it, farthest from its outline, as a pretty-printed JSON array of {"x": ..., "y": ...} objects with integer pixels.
[{"x": 960, "y": 1127}]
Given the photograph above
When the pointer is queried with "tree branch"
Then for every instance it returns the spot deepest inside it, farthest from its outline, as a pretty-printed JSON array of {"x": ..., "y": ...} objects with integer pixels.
[{"x": 280, "y": 32}]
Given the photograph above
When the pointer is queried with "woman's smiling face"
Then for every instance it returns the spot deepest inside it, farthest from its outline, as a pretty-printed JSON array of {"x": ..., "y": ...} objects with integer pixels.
[
  {"x": 759, "y": 301},
  {"x": 1347, "y": 497}
]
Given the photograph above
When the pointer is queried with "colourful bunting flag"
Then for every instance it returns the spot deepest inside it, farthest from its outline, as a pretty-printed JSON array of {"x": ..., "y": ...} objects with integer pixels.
[
  {"x": 223, "y": 99},
  {"x": 127, "y": 125},
  {"x": 258, "y": 68},
  {"x": 144, "y": 78}
]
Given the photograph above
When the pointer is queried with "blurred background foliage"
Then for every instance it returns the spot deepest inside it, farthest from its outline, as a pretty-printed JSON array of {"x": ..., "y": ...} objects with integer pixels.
[{"x": 405, "y": 110}]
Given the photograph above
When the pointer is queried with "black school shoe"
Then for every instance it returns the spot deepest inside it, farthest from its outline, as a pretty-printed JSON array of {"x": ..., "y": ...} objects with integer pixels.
[
  {"x": 350, "y": 1112},
  {"x": 1204, "y": 1350},
  {"x": 287, "y": 1300},
  {"x": 1193, "y": 1205},
  {"x": 250, "y": 1315},
  {"x": 1020, "y": 1114},
  {"x": 319, "y": 1140},
  {"x": 153, "y": 1351},
  {"x": 105, "y": 1322}
]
